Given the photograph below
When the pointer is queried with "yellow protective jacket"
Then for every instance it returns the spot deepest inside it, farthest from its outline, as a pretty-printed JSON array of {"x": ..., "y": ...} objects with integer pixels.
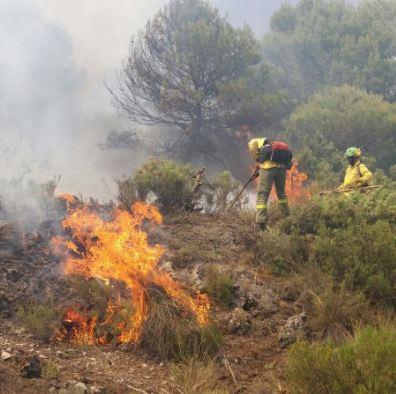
[{"x": 357, "y": 176}]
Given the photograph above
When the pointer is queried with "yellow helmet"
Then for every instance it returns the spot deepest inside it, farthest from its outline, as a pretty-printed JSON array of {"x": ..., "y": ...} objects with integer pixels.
[{"x": 255, "y": 145}]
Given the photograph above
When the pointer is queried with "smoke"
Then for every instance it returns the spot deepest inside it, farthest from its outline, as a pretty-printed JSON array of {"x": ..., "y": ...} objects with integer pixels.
[
  {"x": 55, "y": 111},
  {"x": 53, "y": 115}
]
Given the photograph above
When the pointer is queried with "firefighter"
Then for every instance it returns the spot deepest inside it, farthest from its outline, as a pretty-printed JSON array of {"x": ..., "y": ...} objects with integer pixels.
[
  {"x": 357, "y": 174},
  {"x": 269, "y": 173}
]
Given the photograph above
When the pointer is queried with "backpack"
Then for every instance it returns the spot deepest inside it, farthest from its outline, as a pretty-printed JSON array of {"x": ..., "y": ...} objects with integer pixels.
[{"x": 278, "y": 152}]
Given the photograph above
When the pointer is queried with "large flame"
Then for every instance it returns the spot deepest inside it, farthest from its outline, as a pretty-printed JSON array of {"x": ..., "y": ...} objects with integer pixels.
[
  {"x": 119, "y": 249},
  {"x": 296, "y": 189}
]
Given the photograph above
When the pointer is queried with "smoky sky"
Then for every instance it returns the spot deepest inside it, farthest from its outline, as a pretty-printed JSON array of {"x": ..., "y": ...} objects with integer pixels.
[{"x": 55, "y": 56}]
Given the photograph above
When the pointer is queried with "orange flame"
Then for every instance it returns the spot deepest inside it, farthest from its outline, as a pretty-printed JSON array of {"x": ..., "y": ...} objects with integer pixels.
[
  {"x": 78, "y": 328},
  {"x": 119, "y": 249},
  {"x": 296, "y": 189}
]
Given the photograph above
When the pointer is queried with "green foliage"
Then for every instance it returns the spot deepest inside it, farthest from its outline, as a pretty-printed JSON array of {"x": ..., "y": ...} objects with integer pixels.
[
  {"x": 170, "y": 183},
  {"x": 191, "y": 70},
  {"x": 362, "y": 255},
  {"x": 169, "y": 334},
  {"x": 318, "y": 43},
  {"x": 224, "y": 190},
  {"x": 176, "y": 188},
  {"x": 219, "y": 285},
  {"x": 365, "y": 364},
  {"x": 42, "y": 320},
  {"x": 340, "y": 117},
  {"x": 349, "y": 237}
]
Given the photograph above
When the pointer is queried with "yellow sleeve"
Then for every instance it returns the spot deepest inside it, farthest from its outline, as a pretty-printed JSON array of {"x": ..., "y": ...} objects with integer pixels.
[{"x": 366, "y": 176}]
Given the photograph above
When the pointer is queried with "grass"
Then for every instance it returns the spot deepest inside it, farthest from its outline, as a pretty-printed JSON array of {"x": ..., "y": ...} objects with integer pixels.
[
  {"x": 194, "y": 376},
  {"x": 168, "y": 333},
  {"x": 219, "y": 285},
  {"x": 364, "y": 364}
]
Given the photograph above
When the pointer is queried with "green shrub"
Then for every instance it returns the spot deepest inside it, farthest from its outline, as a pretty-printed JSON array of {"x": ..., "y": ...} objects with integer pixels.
[
  {"x": 42, "y": 320},
  {"x": 219, "y": 285},
  {"x": 339, "y": 211},
  {"x": 225, "y": 189},
  {"x": 360, "y": 255},
  {"x": 170, "y": 183},
  {"x": 365, "y": 364},
  {"x": 170, "y": 334}
]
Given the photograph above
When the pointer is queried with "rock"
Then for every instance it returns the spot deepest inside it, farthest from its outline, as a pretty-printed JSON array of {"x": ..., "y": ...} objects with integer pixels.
[
  {"x": 52, "y": 390},
  {"x": 5, "y": 355},
  {"x": 31, "y": 368},
  {"x": 70, "y": 383},
  {"x": 79, "y": 388},
  {"x": 239, "y": 322},
  {"x": 294, "y": 330},
  {"x": 255, "y": 298}
]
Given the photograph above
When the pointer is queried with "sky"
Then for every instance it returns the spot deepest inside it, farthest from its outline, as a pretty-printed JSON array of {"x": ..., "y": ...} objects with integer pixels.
[{"x": 55, "y": 56}]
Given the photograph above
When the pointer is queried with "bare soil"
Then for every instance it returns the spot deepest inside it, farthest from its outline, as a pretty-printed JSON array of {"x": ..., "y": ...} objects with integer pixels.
[{"x": 254, "y": 356}]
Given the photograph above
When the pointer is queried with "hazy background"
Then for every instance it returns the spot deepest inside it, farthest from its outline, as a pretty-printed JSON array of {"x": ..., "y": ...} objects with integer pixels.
[{"x": 54, "y": 109}]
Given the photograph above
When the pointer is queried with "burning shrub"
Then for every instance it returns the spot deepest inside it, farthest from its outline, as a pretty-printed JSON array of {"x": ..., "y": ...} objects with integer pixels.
[
  {"x": 170, "y": 333},
  {"x": 219, "y": 285},
  {"x": 42, "y": 320},
  {"x": 116, "y": 250},
  {"x": 365, "y": 364}
]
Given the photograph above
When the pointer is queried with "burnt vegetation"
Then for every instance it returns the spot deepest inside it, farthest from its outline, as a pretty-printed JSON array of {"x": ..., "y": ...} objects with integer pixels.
[{"x": 306, "y": 306}]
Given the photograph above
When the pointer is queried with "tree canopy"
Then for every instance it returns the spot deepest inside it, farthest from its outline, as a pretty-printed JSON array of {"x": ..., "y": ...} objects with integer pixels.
[
  {"x": 189, "y": 69},
  {"x": 328, "y": 42},
  {"x": 341, "y": 117}
]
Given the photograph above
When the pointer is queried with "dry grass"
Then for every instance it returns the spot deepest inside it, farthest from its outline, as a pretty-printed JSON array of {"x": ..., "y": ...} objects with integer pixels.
[
  {"x": 170, "y": 333},
  {"x": 219, "y": 285},
  {"x": 195, "y": 376},
  {"x": 333, "y": 312}
]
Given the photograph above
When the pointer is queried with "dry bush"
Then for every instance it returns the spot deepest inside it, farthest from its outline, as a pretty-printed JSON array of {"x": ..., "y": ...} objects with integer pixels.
[
  {"x": 219, "y": 285},
  {"x": 333, "y": 312},
  {"x": 169, "y": 333},
  {"x": 127, "y": 193},
  {"x": 194, "y": 376},
  {"x": 49, "y": 370},
  {"x": 42, "y": 320}
]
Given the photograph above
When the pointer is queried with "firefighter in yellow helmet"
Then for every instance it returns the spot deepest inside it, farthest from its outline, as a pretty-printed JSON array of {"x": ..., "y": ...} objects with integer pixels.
[
  {"x": 357, "y": 174},
  {"x": 270, "y": 173}
]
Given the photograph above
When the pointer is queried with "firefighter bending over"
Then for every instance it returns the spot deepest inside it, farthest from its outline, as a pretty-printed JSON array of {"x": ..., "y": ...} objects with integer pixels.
[{"x": 273, "y": 160}]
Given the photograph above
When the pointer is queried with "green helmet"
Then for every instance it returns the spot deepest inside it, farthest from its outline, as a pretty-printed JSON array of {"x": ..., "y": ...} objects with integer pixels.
[{"x": 352, "y": 152}]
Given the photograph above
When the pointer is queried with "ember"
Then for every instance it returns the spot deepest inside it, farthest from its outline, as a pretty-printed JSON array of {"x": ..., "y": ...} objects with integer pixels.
[{"x": 118, "y": 249}]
